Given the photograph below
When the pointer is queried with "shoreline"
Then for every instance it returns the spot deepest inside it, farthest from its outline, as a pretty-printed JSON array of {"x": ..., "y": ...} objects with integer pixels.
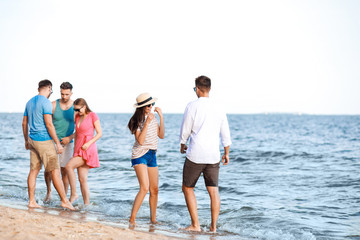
[{"x": 41, "y": 224}]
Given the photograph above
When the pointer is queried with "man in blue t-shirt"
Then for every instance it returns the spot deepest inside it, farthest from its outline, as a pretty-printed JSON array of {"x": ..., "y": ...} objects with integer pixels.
[{"x": 39, "y": 134}]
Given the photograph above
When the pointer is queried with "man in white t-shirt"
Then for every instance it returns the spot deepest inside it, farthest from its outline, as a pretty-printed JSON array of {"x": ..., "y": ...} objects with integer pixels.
[{"x": 203, "y": 123}]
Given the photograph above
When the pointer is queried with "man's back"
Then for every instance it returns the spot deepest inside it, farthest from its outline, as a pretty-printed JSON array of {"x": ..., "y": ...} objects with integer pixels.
[
  {"x": 204, "y": 122},
  {"x": 35, "y": 109}
]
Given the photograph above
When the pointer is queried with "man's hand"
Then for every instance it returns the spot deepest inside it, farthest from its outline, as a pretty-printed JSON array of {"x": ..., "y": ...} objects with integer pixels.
[
  {"x": 59, "y": 148},
  {"x": 65, "y": 141},
  {"x": 27, "y": 145},
  {"x": 183, "y": 148},
  {"x": 225, "y": 159}
]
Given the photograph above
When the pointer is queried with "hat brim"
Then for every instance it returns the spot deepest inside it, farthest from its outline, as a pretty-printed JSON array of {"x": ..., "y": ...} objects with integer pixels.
[{"x": 145, "y": 104}]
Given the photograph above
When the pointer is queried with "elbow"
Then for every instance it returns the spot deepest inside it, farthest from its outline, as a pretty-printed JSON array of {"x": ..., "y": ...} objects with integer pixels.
[
  {"x": 140, "y": 142},
  {"x": 49, "y": 124},
  {"x": 161, "y": 134}
]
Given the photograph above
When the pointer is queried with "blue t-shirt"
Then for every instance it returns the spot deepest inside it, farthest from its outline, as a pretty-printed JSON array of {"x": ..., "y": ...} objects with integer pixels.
[{"x": 35, "y": 110}]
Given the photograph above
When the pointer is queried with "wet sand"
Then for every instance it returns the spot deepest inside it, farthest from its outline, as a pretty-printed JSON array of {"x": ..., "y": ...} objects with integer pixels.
[{"x": 34, "y": 224}]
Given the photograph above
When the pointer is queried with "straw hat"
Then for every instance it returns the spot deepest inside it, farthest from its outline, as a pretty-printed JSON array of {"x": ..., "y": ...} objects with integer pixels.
[{"x": 144, "y": 99}]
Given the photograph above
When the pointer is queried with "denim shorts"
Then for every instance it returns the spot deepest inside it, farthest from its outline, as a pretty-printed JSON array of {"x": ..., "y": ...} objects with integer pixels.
[{"x": 149, "y": 159}]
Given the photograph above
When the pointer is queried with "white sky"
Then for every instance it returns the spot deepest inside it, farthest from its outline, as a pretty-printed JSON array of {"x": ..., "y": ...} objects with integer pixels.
[{"x": 262, "y": 56}]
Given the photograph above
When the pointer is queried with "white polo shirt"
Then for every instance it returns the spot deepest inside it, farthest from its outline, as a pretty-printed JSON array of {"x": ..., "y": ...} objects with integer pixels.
[{"x": 203, "y": 124}]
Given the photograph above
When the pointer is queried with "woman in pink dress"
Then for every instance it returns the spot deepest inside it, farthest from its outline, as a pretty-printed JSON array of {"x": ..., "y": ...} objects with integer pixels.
[{"x": 85, "y": 150}]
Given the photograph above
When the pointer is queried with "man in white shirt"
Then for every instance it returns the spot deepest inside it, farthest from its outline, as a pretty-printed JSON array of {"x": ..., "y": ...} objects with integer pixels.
[{"x": 203, "y": 123}]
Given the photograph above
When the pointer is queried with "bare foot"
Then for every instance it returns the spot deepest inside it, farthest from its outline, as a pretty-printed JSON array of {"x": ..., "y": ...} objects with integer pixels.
[
  {"x": 67, "y": 205},
  {"x": 193, "y": 228},
  {"x": 154, "y": 222},
  {"x": 72, "y": 198},
  {"x": 34, "y": 205},
  {"x": 213, "y": 229},
  {"x": 131, "y": 225},
  {"x": 47, "y": 197}
]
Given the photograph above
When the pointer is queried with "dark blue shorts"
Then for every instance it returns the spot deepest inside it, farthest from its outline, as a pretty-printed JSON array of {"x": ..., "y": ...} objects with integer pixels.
[{"x": 149, "y": 159}]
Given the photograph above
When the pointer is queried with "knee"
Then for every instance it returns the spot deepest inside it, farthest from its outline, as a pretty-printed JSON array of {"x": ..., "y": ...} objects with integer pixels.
[
  {"x": 68, "y": 168},
  {"x": 63, "y": 172},
  {"x": 144, "y": 189},
  {"x": 154, "y": 190},
  {"x": 83, "y": 180},
  {"x": 187, "y": 190}
]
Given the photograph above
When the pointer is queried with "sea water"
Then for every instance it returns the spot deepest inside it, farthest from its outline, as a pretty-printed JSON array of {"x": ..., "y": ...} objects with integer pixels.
[{"x": 293, "y": 177}]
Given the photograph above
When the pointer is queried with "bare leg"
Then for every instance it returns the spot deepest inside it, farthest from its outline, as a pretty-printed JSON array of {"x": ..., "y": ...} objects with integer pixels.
[
  {"x": 215, "y": 206},
  {"x": 59, "y": 186},
  {"x": 192, "y": 207},
  {"x": 83, "y": 175},
  {"x": 153, "y": 173},
  {"x": 65, "y": 179},
  {"x": 142, "y": 175},
  {"x": 47, "y": 177},
  {"x": 70, "y": 167},
  {"x": 31, "y": 188}
]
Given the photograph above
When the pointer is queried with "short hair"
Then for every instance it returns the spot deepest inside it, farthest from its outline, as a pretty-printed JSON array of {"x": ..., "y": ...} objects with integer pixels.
[
  {"x": 66, "y": 85},
  {"x": 203, "y": 82},
  {"x": 44, "y": 83}
]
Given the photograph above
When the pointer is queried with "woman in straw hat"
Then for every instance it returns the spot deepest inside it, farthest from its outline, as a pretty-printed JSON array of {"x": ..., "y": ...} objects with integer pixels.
[{"x": 143, "y": 124}]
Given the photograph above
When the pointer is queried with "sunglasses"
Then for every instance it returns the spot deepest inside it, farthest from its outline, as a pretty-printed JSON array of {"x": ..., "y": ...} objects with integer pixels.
[
  {"x": 78, "y": 109},
  {"x": 194, "y": 89},
  {"x": 150, "y": 105}
]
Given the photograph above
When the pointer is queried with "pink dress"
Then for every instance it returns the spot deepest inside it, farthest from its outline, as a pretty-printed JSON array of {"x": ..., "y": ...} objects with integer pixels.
[{"x": 85, "y": 133}]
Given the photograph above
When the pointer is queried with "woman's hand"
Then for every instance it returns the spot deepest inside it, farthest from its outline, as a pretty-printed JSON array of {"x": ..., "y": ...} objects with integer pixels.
[
  {"x": 85, "y": 146},
  {"x": 149, "y": 118},
  {"x": 158, "y": 110}
]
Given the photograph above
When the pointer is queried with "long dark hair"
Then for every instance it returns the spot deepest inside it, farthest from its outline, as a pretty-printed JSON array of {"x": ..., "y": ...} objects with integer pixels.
[
  {"x": 82, "y": 102},
  {"x": 136, "y": 119}
]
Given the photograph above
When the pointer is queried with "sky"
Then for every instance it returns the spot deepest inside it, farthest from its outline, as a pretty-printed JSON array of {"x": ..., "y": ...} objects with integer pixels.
[{"x": 262, "y": 56}]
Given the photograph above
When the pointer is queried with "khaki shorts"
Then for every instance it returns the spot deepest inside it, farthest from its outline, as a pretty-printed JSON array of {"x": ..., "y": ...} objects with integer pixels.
[
  {"x": 43, "y": 152},
  {"x": 67, "y": 154},
  {"x": 192, "y": 172}
]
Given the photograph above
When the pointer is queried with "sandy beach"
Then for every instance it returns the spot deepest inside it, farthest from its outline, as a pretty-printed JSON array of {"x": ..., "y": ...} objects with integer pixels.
[{"x": 31, "y": 224}]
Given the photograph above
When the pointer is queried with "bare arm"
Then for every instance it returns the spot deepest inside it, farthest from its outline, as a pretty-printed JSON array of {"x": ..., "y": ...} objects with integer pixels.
[
  {"x": 54, "y": 106},
  {"x": 225, "y": 158},
  {"x": 25, "y": 131},
  {"x": 97, "y": 136},
  {"x": 51, "y": 129},
  {"x": 67, "y": 139},
  {"x": 141, "y": 135},
  {"x": 161, "y": 128}
]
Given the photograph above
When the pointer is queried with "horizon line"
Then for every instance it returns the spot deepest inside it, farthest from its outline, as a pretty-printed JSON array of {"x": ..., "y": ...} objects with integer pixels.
[{"x": 233, "y": 113}]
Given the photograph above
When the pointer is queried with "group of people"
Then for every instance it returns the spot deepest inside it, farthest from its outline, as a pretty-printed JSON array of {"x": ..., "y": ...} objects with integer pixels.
[
  {"x": 45, "y": 123},
  {"x": 74, "y": 129}
]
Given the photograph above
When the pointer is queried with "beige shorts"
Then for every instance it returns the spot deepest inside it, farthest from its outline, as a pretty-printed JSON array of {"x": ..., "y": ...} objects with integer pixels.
[
  {"x": 43, "y": 152},
  {"x": 67, "y": 154}
]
